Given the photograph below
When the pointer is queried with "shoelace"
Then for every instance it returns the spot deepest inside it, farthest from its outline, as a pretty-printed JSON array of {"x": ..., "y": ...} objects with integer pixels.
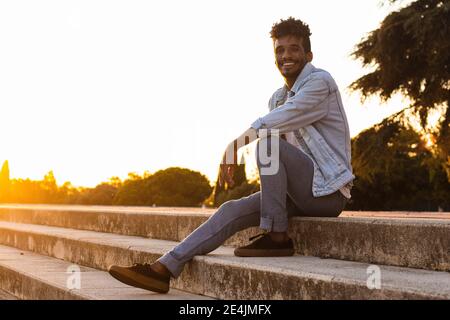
[
  {"x": 141, "y": 265},
  {"x": 257, "y": 236}
]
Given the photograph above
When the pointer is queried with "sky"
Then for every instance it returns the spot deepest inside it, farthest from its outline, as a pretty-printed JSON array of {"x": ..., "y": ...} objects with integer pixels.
[{"x": 95, "y": 89}]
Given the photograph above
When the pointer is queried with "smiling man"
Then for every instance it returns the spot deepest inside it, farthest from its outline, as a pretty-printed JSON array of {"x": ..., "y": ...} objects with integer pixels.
[{"x": 313, "y": 175}]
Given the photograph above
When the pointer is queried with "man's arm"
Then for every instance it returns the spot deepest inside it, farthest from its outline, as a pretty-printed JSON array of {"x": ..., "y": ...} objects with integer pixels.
[
  {"x": 303, "y": 109},
  {"x": 247, "y": 137},
  {"x": 227, "y": 166}
]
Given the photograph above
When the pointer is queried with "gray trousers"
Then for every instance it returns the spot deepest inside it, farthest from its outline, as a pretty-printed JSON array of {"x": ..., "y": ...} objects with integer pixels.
[{"x": 283, "y": 195}]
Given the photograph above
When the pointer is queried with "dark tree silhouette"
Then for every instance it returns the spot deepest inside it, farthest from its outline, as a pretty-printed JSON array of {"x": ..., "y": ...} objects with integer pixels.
[
  {"x": 395, "y": 170},
  {"x": 169, "y": 187},
  {"x": 410, "y": 53},
  {"x": 4, "y": 181}
]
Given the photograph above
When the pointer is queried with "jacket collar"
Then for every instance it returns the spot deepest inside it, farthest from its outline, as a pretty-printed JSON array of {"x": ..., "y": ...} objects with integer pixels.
[{"x": 282, "y": 93}]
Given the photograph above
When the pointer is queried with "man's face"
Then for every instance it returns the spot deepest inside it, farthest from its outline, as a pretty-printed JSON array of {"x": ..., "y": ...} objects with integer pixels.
[{"x": 290, "y": 56}]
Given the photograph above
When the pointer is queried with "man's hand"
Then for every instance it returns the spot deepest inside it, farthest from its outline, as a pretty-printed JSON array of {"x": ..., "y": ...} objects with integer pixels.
[
  {"x": 228, "y": 165},
  {"x": 226, "y": 174},
  {"x": 229, "y": 160}
]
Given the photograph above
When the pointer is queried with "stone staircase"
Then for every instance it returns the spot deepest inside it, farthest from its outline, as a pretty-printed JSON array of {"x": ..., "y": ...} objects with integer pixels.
[{"x": 337, "y": 258}]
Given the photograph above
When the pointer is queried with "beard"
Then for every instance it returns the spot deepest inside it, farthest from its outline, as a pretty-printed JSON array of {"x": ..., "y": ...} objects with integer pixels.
[{"x": 292, "y": 71}]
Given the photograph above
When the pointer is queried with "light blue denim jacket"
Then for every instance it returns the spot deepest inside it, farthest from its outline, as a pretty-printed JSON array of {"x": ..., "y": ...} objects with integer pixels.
[{"x": 313, "y": 111}]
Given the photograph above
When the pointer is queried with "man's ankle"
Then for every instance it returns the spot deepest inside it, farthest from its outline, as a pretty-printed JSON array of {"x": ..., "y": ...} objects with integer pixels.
[
  {"x": 278, "y": 236},
  {"x": 160, "y": 268}
]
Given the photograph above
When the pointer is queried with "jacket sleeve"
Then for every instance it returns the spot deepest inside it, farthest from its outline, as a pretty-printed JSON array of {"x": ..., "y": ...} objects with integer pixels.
[{"x": 307, "y": 106}]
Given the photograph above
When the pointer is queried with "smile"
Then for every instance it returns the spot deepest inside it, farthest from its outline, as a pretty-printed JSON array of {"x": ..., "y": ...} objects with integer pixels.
[{"x": 288, "y": 64}]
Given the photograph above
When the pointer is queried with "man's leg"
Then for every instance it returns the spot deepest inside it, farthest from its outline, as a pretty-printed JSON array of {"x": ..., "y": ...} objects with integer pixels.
[
  {"x": 286, "y": 192},
  {"x": 231, "y": 217},
  {"x": 293, "y": 181},
  {"x": 293, "y": 168}
]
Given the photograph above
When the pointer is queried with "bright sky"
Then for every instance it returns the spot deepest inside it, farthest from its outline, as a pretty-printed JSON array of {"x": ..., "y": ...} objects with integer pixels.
[{"x": 94, "y": 89}]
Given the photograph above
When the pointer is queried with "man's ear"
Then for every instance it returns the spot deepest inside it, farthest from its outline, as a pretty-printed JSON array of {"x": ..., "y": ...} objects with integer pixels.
[{"x": 309, "y": 56}]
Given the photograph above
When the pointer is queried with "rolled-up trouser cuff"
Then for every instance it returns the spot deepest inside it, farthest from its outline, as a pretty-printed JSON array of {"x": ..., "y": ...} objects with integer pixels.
[
  {"x": 271, "y": 225},
  {"x": 172, "y": 264}
]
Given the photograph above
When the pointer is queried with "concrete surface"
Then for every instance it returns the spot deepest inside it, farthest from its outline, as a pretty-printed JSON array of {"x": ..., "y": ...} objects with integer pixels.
[
  {"x": 31, "y": 276},
  {"x": 6, "y": 296},
  {"x": 220, "y": 274},
  {"x": 398, "y": 238}
]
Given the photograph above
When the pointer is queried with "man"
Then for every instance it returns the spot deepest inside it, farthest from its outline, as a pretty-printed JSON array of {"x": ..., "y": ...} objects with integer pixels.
[{"x": 312, "y": 175}]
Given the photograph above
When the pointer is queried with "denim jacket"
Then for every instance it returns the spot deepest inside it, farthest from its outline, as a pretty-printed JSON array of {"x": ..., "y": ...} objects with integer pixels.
[{"x": 313, "y": 111}]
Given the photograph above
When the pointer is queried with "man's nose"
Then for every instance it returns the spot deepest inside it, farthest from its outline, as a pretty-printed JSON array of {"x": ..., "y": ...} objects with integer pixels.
[{"x": 287, "y": 55}]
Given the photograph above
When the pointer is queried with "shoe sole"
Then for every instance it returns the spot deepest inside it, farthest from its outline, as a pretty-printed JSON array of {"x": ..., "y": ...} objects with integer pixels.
[
  {"x": 137, "y": 280},
  {"x": 263, "y": 253}
]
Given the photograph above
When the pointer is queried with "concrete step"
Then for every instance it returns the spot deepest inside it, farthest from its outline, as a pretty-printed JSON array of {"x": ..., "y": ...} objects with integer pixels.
[
  {"x": 29, "y": 275},
  {"x": 383, "y": 238},
  {"x": 222, "y": 275},
  {"x": 6, "y": 296}
]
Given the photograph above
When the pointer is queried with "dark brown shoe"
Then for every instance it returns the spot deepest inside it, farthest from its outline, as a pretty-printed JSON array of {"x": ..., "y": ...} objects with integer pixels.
[
  {"x": 266, "y": 247},
  {"x": 141, "y": 276}
]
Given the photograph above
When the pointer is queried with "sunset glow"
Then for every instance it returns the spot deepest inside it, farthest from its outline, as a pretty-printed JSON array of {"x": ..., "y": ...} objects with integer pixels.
[{"x": 95, "y": 89}]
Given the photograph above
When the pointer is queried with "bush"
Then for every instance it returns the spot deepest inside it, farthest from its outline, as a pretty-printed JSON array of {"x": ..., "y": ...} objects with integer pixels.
[{"x": 169, "y": 187}]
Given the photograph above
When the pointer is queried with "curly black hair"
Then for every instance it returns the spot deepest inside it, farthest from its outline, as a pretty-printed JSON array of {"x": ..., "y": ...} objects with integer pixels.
[{"x": 295, "y": 27}]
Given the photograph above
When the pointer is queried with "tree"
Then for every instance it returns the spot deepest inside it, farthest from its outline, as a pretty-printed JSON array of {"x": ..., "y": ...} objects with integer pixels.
[
  {"x": 115, "y": 181},
  {"x": 49, "y": 182},
  {"x": 102, "y": 194},
  {"x": 169, "y": 187},
  {"x": 410, "y": 53},
  {"x": 4, "y": 181},
  {"x": 132, "y": 192},
  {"x": 395, "y": 170}
]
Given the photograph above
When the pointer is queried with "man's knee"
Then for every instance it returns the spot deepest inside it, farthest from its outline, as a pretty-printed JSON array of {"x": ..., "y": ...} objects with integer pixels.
[
  {"x": 269, "y": 153},
  {"x": 242, "y": 206},
  {"x": 232, "y": 211}
]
